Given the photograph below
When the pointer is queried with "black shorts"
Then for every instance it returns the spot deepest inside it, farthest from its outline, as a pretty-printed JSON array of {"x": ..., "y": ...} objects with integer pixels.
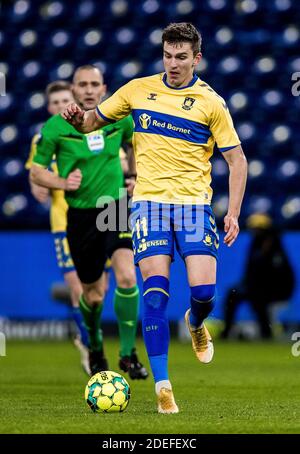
[{"x": 91, "y": 247}]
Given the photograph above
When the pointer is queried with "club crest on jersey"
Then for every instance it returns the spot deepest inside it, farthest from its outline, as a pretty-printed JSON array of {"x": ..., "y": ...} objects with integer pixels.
[
  {"x": 188, "y": 103},
  {"x": 145, "y": 120}
]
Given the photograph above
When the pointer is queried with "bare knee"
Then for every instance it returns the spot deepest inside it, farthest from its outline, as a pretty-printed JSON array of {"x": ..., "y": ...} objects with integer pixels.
[
  {"x": 123, "y": 266},
  {"x": 156, "y": 265},
  {"x": 126, "y": 277},
  {"x": 149, "y": 272},
  {"x": 93, "y": 295}
]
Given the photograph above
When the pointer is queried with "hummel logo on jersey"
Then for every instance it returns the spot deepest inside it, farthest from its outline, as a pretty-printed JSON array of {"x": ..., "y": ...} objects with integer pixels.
[
  {"x": 145, "y": 120},
  {"x": 152, "y": 96},
  {"x": 188, "y": 103}
]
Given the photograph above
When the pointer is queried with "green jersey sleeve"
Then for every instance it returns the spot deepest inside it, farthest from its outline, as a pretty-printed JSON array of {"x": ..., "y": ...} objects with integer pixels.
[{"x": 47, "y": 144}]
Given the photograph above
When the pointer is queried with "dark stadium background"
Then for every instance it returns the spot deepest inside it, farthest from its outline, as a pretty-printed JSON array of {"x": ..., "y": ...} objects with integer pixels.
[{"x": 250, "y": 57}]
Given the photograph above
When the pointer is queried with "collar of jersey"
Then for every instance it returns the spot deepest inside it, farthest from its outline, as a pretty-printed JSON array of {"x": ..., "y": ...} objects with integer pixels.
[{"x": 194, "y": 79}]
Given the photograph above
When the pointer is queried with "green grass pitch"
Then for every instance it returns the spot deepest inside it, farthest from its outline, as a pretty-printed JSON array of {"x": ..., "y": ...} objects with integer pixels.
[{"x": 248, "y": 388}]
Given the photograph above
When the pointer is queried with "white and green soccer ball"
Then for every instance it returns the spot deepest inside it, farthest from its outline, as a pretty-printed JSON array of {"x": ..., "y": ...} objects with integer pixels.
[{"x": 107, "y": 392}]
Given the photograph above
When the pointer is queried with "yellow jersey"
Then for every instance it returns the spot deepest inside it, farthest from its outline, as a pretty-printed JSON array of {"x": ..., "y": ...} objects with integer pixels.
[
  {"x": 59, "y": 207},
  {"x": 175, "y": 130}
]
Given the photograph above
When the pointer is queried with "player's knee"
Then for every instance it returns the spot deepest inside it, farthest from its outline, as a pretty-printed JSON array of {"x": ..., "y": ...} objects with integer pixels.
[
  {"x": 93, "y": 295},
  {"x": 156, "y": 295},
  {"x": 203, "y": 293},
  {"x": 127, "y": 279}
]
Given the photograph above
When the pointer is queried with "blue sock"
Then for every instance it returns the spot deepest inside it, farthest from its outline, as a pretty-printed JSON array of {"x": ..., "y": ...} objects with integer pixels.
[
  {"x": 78, "y": 319},
  {"x": 155, "y": 325},
  {"x": 202, "y": 303}
]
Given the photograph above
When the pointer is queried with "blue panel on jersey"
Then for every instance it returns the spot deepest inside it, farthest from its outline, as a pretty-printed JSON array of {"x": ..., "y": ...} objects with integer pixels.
[{"x": 151, "y": 122}]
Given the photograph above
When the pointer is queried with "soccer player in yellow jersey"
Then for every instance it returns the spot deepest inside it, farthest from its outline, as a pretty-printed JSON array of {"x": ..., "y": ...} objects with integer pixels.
[{"x": 178, "y": 120}]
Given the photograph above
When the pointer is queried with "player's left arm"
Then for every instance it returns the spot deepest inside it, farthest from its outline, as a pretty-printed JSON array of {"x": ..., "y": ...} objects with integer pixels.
[
  {"x": 83, "y": 121},
  {"x": 112, "y": 109},
  {"x": 237, "y": 164}
]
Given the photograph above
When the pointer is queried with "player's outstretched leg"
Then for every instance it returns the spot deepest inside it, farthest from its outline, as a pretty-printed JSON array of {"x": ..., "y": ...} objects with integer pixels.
[
  {"x": 202, "y": 298},
  {"x": 157, "y": 337}
]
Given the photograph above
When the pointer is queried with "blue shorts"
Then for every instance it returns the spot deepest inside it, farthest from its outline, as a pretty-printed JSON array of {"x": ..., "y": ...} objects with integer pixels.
[
  {"x": 63, "y": 255},
  {"x": 156, "y": 227}
]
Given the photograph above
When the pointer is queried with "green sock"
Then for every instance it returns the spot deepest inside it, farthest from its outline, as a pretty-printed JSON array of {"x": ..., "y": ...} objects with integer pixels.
[
  {"x": 92, "y": 319},
  {"x": 126, "y": 304}
]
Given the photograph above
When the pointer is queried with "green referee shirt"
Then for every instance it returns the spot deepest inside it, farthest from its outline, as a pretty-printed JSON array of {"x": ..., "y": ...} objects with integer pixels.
[{"x": 96, "y": 154}]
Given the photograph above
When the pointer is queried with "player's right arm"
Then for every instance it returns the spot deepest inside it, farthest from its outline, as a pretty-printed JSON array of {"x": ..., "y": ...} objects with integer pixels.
[
  {"x": 112, "y": 109},
  {"x": 40, "y": 193},
  {"x": 43, "y": 177},
  {"x": 83, "y": 121}
]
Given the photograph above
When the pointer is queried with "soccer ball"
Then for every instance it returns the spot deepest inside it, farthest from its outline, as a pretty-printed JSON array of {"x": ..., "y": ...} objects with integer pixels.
[{"x": 107, "y": 392}]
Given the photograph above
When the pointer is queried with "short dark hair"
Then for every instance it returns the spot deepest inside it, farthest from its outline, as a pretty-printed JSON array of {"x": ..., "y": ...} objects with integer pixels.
[
  {"x": 57, "y": 85},
  {"x": 88, "y": 67},
  {"x": 179, "y": 32}
]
